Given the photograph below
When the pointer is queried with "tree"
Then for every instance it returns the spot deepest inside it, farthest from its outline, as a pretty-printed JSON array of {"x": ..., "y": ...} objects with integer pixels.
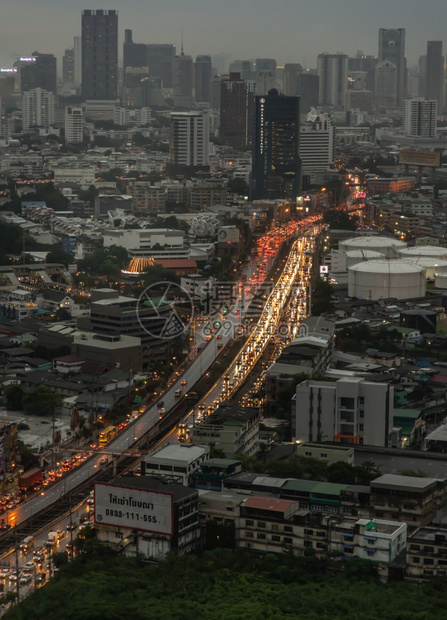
[
  {"x": 340, "y": 220},
  {"x": 41, "y": 401},
  {"x": 57, "y": 255},
  {"x": 321, "y": 297},
  {"x": 14, "y": 397},
  {"x": 237, "y": 186}
]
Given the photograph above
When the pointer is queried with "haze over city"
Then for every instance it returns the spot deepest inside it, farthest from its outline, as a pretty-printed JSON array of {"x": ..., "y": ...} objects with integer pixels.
[{"x": 287, "y": 30}]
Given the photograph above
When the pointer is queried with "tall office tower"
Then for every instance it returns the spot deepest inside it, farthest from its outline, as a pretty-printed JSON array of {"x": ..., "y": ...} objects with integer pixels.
[
  {"x": 422, "y": 69},
  {"x": 420, "y": 117},
  {"x": 37, "y": 108},
  {"x": 317, "y": 143},
  {"x": 290, "y": 79},
  {"x": 332, "y": 69},
  {"x": 265, "y": 70},
  {"x": 99, "y": 54},
  {"x": 8, "y": 86},
  {"x": 233, "y": 110},
  {"x": 204, "y": 72},
  {"x": 160, "y": 60},
  {"x": 392, "y": 49},
  {"x": 189, "y": 144},
  {"x": 182, "y": 81},
  {"x": 215, "y": 92},
  {"x": 134, "y": 54},
  {"x": 244, "y": 67},
  {"x": 308, "y": 91},
  {"x": 434, "y": 85},
  {"x": 40, "y": 73},
  {"x": 68, "y": 68},
  {"x": 77, "y": 62},
  {"x": 385, "y": 85},
  {"x": 276, "y": 169},
  {"x": 136, "y": 89},
  {"x": 74, "y": 125}
]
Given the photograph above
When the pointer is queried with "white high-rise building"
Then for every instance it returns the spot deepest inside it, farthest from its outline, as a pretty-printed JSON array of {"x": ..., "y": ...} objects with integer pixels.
[
  {"x": 37, "y": 108},
  {"x": 74, "y": 125},
  {"x": 351, "y": 410},
  {"x": 317, "y": 144},
  {"x": 420, "y": 117},
  {"x": 332, "y": 69},
  {"x": 189, "y": 139}
]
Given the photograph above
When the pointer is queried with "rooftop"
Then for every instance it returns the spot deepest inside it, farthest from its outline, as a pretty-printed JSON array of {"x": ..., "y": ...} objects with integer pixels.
[
  {"x": 404, "y": 483},
  {"x": 269, "y": 503}
]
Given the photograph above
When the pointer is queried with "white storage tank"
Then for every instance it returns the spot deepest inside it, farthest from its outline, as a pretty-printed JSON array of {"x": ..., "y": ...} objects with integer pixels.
[
  {"x": 353, "y": 257},
  {"x": 441, "y": 280},
  {"x": 386, "y": 279},
  {"x": 432, "y": 266},
  {"x": 388, "y": 246},
  {"x": 429, "y": 251}
]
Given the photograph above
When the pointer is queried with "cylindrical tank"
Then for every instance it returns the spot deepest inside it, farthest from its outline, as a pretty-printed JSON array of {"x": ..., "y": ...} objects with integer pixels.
[
  {"x": 429, "y": 251},
  {"x": 441, "y": 282},
  {"x": 432, "y": 266},
  {"x": 353, "y": 257},
  {"x": 388, "y": 246},
  {"x": 386, "y": 279}
]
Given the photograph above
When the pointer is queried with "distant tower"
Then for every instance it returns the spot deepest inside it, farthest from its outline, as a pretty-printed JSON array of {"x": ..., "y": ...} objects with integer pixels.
[
  {"x": 420, "y": 117},
  {"x": 189, "y": 139},
  {"x": 68, "y": 68},
  {"x": 99, "y": 54},
  {"x": 182, "y": 81},
  {"x": 392, "y": 49},
  {"x": 41, "y": 73},
  {"x": 290, "y": 79},
  {"x": 265, "y": 70},
  {"x": 37, "y": 108},
  {"x": 77, "y": 44},
  {"x": 434, "y": 80},
  {"x": 332, "y": 70},
  {"x": 74, "y": 125},
  {"x": 385, "y": 84},
  {"x": 276, "y": 168},
  {"x": 233, "y": 109},
  {"x": 308, "y": 91},
  {"x": 204, "y": 72}
]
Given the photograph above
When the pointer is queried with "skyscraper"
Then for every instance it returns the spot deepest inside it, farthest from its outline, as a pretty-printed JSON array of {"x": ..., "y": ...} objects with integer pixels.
[
  {"x": 385, "y": 84},
  {"x": 420, "y": 117},
  {"x": 99, "y": 54},
  {"x": 160, "y": 60},
  {"x": 276, "y": 171},
  {"x": 182, "y": 81},
  {"x": 392, "y": 49},
  {"x": 74, "y": 125},
  {"x": 189, "y": 139},
  {"x": 317, "y": 143},
  {"x": 332, "y": 70},
  {"x": 233, "y": 109},
  {"x": 204, "y": 73},
  {"x": 37, "y": 108},
  {"x": 308, "y": 91},
  {"x": 68, "y": 66},
  {"x": 134, "y": 54},
  {"x": 40, "y": 73},
  {"x": 290, "y": 79},
  {"x": 434, "y": 80}
]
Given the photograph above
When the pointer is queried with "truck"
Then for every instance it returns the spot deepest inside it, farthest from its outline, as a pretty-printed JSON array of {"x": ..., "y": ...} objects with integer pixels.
[
  {"x": 52, "y": 540},
  {"x": 30, "y": 477}
]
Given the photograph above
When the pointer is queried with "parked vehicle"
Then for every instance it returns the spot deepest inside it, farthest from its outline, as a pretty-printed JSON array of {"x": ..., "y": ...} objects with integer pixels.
[{"x": 29, "y": 478}]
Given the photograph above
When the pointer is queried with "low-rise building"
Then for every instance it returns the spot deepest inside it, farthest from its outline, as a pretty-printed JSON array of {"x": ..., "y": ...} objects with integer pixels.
[
  {"x": 177, "y": 461},
  {"x": 427, "y": 552},
  {"x": 234, "y": 430},
  {"x": 406, "y": 498}
]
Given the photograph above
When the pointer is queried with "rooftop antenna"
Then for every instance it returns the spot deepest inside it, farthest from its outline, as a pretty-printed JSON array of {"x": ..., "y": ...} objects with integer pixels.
[{"x": 182, "y": 53}]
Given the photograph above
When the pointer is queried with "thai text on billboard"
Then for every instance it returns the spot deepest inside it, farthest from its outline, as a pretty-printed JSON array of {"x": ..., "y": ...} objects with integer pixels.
[
  {"x": 420, "y": 158},
  {"x": 137, "y": 509}
]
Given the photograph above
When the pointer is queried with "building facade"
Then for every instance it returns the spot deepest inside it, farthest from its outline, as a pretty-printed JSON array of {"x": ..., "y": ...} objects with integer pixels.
[
  {"x": 332, "y": 69},
  {"x": 189, "y": 144},
  {"x": 99, "y": 54}
]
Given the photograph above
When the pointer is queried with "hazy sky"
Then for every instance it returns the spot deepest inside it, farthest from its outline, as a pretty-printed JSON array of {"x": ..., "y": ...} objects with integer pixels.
[{"x": 288, "y": 30}]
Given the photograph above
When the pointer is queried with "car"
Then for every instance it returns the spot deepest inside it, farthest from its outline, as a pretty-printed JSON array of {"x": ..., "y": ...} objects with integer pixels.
[
  {"x": 13, "y": 576},
  {"x": 26, "y": 578},
  {"x": 28, "y": 567},
  {"x": 103, "y": 461},
  {"x": 90, "y": 501},
  {"x": 60, "y": 533},
  {"x": 71, "y": 527},
  {"x": 177, "y": 393},
  {"x": 183, "y": 382},
  {"x": 84, "y": 517},
  {"x": 39, "y": 558},
  {"x": 160, "y": 405},
  {"x": 41, "y": 578},
  {"x": 4, "y": 573}
]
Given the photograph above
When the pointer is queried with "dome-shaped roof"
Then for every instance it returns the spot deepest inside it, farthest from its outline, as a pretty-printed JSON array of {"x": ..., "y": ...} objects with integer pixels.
[
  {"x": 373, "y": 241},
  {"x": 395, "y": 266},
  {"x": 425, "y": 250}
]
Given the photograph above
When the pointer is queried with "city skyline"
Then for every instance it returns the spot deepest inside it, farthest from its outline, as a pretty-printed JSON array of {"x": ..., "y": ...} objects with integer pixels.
[{"x": 279, "y": 30}]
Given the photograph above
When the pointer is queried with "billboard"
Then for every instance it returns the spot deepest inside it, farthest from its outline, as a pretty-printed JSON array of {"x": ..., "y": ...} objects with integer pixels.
[
  {"x": 136, "y": 509},
  {"x": 420, "y": 158}
]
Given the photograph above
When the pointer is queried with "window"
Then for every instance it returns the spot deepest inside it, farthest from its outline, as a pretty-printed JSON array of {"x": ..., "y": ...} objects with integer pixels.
[
  {"x": 261, "y": 523},
  {"x": 321, "y": 534},
  {"x": 414, "y": 547},
  {"x": 348, "y": 549},
  {"x": 428, "y": 549},
  {"x": 308, "y": 532},
  {"x": 288, "y": 528},
  {"x": 276, "y": 538},
  {"x": 361, "y": 427},
  {"x": 308, "y": 454},
  {"x": 275, "y": 527},
  {"x": 260, "y": 536},
  {"x": 308, "y": 543},
  {"x": 320, "y": 545},
  {"x": 249, "y": 535},
  {"x": 346, "y": 403},
  {"x": 416, "y": 560},
  {"x": 288, "y": 541},
  {"x": 323, "y": 455},
  {"x": 249, "y": 523},
  {"x": 429, "y": 561}
]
